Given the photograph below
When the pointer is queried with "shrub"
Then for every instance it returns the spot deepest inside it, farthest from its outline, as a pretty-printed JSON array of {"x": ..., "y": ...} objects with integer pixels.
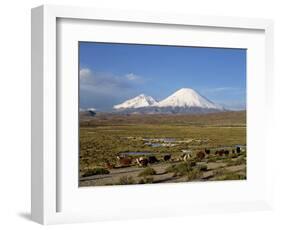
[
  {"x": 126, "y": 180},
  {"x": 147, "y": 172},
  {"x": 209, "y": 160},
  {"x": 233, "y": 176},
  {"x": 194, "y": 174},
  {"x": 214, "y": 159},
  {"x": 146, "y": 180},
  {"x": 223, "y": 174},
  {"x": 95, "y": 171},
  {"x": 219, "y": 172},
  {"x": 203, "y": 167},
  {"x": 181, "y": 169},
  {"x": 239, "y": 161}
]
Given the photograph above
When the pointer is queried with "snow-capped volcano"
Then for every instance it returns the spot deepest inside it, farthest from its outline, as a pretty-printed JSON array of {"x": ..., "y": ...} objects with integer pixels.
[
  {"x": 137, "y": 102},
  {"x": 188, "y": 98},
  {"x": 185, "y": 100}
]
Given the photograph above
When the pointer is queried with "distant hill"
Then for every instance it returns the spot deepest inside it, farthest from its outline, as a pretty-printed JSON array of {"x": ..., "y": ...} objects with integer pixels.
[
  {"x": 90, "y": 112},
  {"x": 227, "y": 118}
]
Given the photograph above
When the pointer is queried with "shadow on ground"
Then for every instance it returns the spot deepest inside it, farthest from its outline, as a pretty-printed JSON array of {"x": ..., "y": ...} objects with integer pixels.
[{"x": 25, "y": 215}]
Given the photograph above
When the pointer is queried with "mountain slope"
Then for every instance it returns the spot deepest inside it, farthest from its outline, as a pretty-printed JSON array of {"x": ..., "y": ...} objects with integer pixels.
[
  {"x": 187, "y": 98},
  {"x": 136, "y": 102}
]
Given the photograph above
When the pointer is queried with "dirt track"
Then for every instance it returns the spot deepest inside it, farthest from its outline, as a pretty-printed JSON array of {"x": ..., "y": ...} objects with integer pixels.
[{"x": 161, "y": 176}]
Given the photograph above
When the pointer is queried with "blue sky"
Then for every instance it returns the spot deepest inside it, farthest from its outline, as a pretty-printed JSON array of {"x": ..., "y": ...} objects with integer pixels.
[{"x": 111, "y": 73}]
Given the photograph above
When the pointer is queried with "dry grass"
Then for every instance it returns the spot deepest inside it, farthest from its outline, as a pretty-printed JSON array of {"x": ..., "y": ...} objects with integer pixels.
[{"x": 104, "y": 136}]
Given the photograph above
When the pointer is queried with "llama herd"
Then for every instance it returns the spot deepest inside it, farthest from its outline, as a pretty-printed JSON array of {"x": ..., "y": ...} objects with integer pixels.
[
  {"x": 143, "y": 161},
  {"x": 140, "y": 161}
]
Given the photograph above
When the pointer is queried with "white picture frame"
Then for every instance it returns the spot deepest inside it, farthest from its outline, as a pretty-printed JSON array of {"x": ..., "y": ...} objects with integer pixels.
[{"x": 49, "y": 190}]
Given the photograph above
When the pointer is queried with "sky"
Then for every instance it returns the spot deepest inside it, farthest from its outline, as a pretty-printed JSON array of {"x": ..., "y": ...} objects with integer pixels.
[{"x": 111, "y": 73}]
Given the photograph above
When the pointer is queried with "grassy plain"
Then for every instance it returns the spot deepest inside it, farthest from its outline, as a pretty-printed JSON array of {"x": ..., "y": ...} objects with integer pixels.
[{"x": 105, "y": 136}]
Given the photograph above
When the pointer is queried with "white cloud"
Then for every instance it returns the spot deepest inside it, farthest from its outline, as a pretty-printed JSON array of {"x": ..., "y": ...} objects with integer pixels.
[
  {"x": 220, "y": 89},
  {"x": 132, "y": 77},
  {"x": 107, "y": 81},
  {"x": 85, "y": 73},
  {"x": 103, "y": 89}
]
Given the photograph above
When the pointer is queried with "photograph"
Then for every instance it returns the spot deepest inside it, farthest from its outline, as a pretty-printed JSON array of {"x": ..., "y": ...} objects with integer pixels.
[{"x": 151, "y": 114}]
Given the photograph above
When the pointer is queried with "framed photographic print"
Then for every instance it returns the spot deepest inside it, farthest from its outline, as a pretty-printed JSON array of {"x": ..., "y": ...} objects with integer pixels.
[{"x": 140, "y": 114}]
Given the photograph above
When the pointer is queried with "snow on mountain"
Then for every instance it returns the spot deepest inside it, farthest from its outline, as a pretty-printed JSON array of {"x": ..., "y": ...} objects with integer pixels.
[
  {"x": 185, "y": 100},
  {"x": 137, "y": 102},
  {"x": 188, "y": 98}
]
